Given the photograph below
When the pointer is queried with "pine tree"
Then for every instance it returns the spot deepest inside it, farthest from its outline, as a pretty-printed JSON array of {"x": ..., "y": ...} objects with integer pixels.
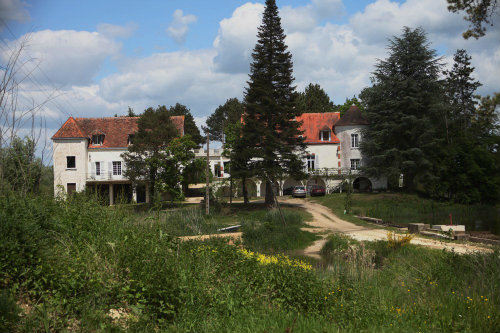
[
  {"x": 404, "y": 108},
  {"x": 269, "y": 122},
  {"x": 189, "y": 123},
  {"x": 460, "y": 90},
  {"x": 314, "y": 100}
]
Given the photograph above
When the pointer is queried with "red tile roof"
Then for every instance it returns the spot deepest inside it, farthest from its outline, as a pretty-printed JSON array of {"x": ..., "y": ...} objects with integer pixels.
[
  {"x": 313, "y": 123},
  {"x": 115, "y": 129}
]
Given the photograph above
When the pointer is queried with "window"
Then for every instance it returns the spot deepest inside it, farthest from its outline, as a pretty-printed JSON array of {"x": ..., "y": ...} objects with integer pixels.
[
  {"x": 217, "y": 171},
  {"x": 71, "y": 188},
  {"x": 355, "y": 164},
  {"x": 97, "y": 139},
  {"x": 70, "y": 162},
  {"x": 310, "y": 161},
  {"x": 324, "y": 135},
  {"x": 354, "y": 141},
  {"x": 97, "y": 168},
  {"x": 117, "y": 168},
  {"x": 130, "y": 139}
]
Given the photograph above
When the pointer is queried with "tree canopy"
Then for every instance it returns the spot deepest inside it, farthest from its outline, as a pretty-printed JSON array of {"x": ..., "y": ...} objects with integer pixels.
[
  {"x": 478, "y": 12},
  {"x": 404, "y": 107},
  {"x": 228, "y": 113},
  {"x": 314, "y": 100},
  {"x": 189, "y": 123},
  {"x": 342, "y": 108},
  {"x": 270, "y": 129}
]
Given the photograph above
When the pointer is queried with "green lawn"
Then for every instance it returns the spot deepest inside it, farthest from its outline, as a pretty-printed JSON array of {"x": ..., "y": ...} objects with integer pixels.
[{"x": 408, "y": 208}]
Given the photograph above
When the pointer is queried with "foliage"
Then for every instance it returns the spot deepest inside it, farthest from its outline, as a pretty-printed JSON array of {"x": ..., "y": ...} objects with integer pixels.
[
  {"x": 20, "y": 170},
  {"x": 189, "y": 123},
  {"x": 177, "y": 154},
  {"x": 396, "y": 241},
  {"x": 144, "y": 157},
  {"x": 478, "y": 13},
  {"x": 342, "y": 108},
  {"x": 403, "y": 107},
  {"x": 225, "y": 115},
  {"x": 274, "y": 235},
  {"x": 314, "y": 100},
  {"x": 269, "y": 128}
]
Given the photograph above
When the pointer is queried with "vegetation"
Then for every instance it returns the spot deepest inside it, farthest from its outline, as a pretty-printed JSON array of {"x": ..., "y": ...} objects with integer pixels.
[
  {"x": 401, "y": 208},
  {"x": 478, "y": 13},
  {"x": 227, "y": 114},
  {"x": 269, "y": 129},
  {"x": 314, "y": 100},
  {"x": 77, "y": 266},
  {"x": 342, "y": 108}
]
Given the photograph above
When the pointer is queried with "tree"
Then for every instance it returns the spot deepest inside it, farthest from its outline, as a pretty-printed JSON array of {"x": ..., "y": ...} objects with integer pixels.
[
  {"x": 176, "y": 155},
  {"x": 189, "y": 123},
  {"x": 131, "y": 113},
  {"x": 478, "y": 12},
  {"x": 269, "y": 126},
  {"x": 348, "y": 103},
  {"x": 228, "y": 113},
  {"x": 460, "y": 90},
  {"x": 314, "y": 100},
  {"x": 404, "y": 108},
  {"x": 144, "y": 157}
]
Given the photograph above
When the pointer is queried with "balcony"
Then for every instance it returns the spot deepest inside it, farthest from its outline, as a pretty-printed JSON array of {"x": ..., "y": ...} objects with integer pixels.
[
  {"x": 104, "y": 176},
  {"x": 332, "y": 172}
]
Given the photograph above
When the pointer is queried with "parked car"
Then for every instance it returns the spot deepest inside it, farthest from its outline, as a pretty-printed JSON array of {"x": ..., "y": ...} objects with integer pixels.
[
  {"x": 299, "y": 191},
  {"x": 288, "y": 191},
  {"x": 316, "y": 190}
]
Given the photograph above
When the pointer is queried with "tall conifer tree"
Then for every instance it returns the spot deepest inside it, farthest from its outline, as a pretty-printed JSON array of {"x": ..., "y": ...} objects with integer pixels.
[
  {"x": 269, "y": 127},
  {"x": 404, "y": 107}
]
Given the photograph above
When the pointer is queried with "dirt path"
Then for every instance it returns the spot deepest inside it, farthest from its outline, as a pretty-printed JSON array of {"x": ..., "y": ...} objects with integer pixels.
[{"x": 325, "y": 222}]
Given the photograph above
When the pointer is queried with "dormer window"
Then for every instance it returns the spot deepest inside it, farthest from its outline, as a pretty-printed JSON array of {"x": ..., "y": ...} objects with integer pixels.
[
  {"x": 97, "y": 139},
  {"x": 324, "y": 135},
  {"x": 130, "y": 139}
]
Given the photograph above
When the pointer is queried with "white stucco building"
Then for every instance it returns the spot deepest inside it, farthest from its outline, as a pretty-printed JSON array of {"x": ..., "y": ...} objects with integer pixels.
[{"x": 87, "y": 152}]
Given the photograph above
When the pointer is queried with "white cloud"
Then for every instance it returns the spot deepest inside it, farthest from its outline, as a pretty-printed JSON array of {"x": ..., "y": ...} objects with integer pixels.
[
  {"x": 13, "y": 10},
  {"x": 117, "y": 31},
  {"x": 67, "y": 57},
  {"x": 179, "y": 27}
]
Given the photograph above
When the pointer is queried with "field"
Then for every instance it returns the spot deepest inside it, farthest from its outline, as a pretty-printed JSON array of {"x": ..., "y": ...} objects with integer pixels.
[
  {"x": 78, "y": 266},
  {"x": 409, "y": 208}
]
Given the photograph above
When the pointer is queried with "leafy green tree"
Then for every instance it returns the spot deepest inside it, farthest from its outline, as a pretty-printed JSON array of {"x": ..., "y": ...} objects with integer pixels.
[
  {"x": 189, "y": 123},
  {"x": 193, "y": 173},
  {"x": 460, "y": 90},
  {"x": 478, "y": 12},
  {"x": 176, "y": 155},
  {"x": 144, "y": 157},
  {"x": 314, "y": 100},
  {"x": 348, "y": 103},
  {"x": 404, "y": 108},
  {"x": 21, "y": 169},
  {"x": 228, "y": 113},
  {"x": 269, "y": 127}
]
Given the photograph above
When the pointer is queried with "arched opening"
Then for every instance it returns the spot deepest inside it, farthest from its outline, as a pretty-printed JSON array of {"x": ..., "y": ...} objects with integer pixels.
[
  {"x": 362, "y": 184},
  {"x": 289, "y": 184},
  {"x": 316, "y": 181}
]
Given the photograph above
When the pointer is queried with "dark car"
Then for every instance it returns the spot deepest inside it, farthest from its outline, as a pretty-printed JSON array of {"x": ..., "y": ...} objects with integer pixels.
[
  {"x": 299, "y": 191},
  {"x": 316, "y": 190},
  {"x": 288, "y": 190}
]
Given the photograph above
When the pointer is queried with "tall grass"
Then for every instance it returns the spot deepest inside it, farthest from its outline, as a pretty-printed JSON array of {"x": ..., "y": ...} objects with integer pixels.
[{"x": 77, "y": 266}]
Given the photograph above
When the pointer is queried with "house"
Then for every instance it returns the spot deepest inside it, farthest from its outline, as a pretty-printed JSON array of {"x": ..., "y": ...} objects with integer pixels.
[{"x": 87, "y": 153}]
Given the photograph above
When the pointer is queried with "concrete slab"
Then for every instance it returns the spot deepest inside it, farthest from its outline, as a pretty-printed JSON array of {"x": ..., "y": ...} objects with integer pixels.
[{"x": 447, "y": 228}]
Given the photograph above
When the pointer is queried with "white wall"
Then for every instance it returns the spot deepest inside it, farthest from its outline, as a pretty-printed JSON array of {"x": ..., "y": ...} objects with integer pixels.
[
  {"x": 106, "y": 156},
  {"x": 346, "y": 151},
  {"x": 62, "y": 175},
  {"x": 326, "y": 155}
]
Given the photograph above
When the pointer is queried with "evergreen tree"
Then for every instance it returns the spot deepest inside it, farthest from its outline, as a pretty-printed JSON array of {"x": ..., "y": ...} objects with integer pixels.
[
  {"x": 269, "y": 127},
  {"x": 342, "y": 108},
  {"x": 144, "y": 157},
  {"x": 314, "y": 100},
  {"x": 226, "y": 114},
  {"x": 404, "y": 108},
  {"x": 189, "y": 123},
  {"x": 460, "y": 90}
]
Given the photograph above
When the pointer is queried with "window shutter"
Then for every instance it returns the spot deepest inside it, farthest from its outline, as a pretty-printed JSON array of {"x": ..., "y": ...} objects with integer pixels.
[
  {"x": 110, "y": 168},
  {"x": 92, "y": 169},
  {"x": 316, "y": 161}
]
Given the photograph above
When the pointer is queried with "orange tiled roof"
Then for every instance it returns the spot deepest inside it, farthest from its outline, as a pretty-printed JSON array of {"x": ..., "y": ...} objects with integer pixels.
[
  {"x": 313, "y": 123},
  {"x": 115, "y": 129}
]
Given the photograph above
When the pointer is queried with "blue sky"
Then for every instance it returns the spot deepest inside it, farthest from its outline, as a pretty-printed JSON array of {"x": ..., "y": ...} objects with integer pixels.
[{"x": 99, "y": 57}]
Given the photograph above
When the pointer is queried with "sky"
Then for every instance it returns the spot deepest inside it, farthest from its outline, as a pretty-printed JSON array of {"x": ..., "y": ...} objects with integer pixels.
[{"x": 97, "y": 58}]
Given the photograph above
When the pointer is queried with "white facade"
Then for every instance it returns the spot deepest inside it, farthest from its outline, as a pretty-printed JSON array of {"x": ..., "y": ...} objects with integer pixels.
[{"x": 64, "y": 175}]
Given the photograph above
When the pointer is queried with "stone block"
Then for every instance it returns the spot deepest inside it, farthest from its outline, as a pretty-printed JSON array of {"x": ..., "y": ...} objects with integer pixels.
[
  {"x": 446, "y": 228},
  {"x": 415, "y": 228}
]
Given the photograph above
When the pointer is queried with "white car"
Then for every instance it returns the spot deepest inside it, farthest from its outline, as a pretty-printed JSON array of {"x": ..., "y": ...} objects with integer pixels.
[{"x": 299, "y": 191}]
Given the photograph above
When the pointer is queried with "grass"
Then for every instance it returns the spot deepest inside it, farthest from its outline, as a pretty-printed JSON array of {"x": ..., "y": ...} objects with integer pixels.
[
  {"x": 406, "y": 208},
  {"x": 78, "y": 266}
]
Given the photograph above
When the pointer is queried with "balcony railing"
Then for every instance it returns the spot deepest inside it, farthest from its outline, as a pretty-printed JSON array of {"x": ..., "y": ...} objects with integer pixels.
[
  {"x": 332, "y": 172},
  {"x": 104, "y": 176}
]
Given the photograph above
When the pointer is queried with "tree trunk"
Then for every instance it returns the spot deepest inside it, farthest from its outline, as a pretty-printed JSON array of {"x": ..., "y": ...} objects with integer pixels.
[
  {"x": 269, "y": 194},
  {"x": 244, "y": 188}
]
